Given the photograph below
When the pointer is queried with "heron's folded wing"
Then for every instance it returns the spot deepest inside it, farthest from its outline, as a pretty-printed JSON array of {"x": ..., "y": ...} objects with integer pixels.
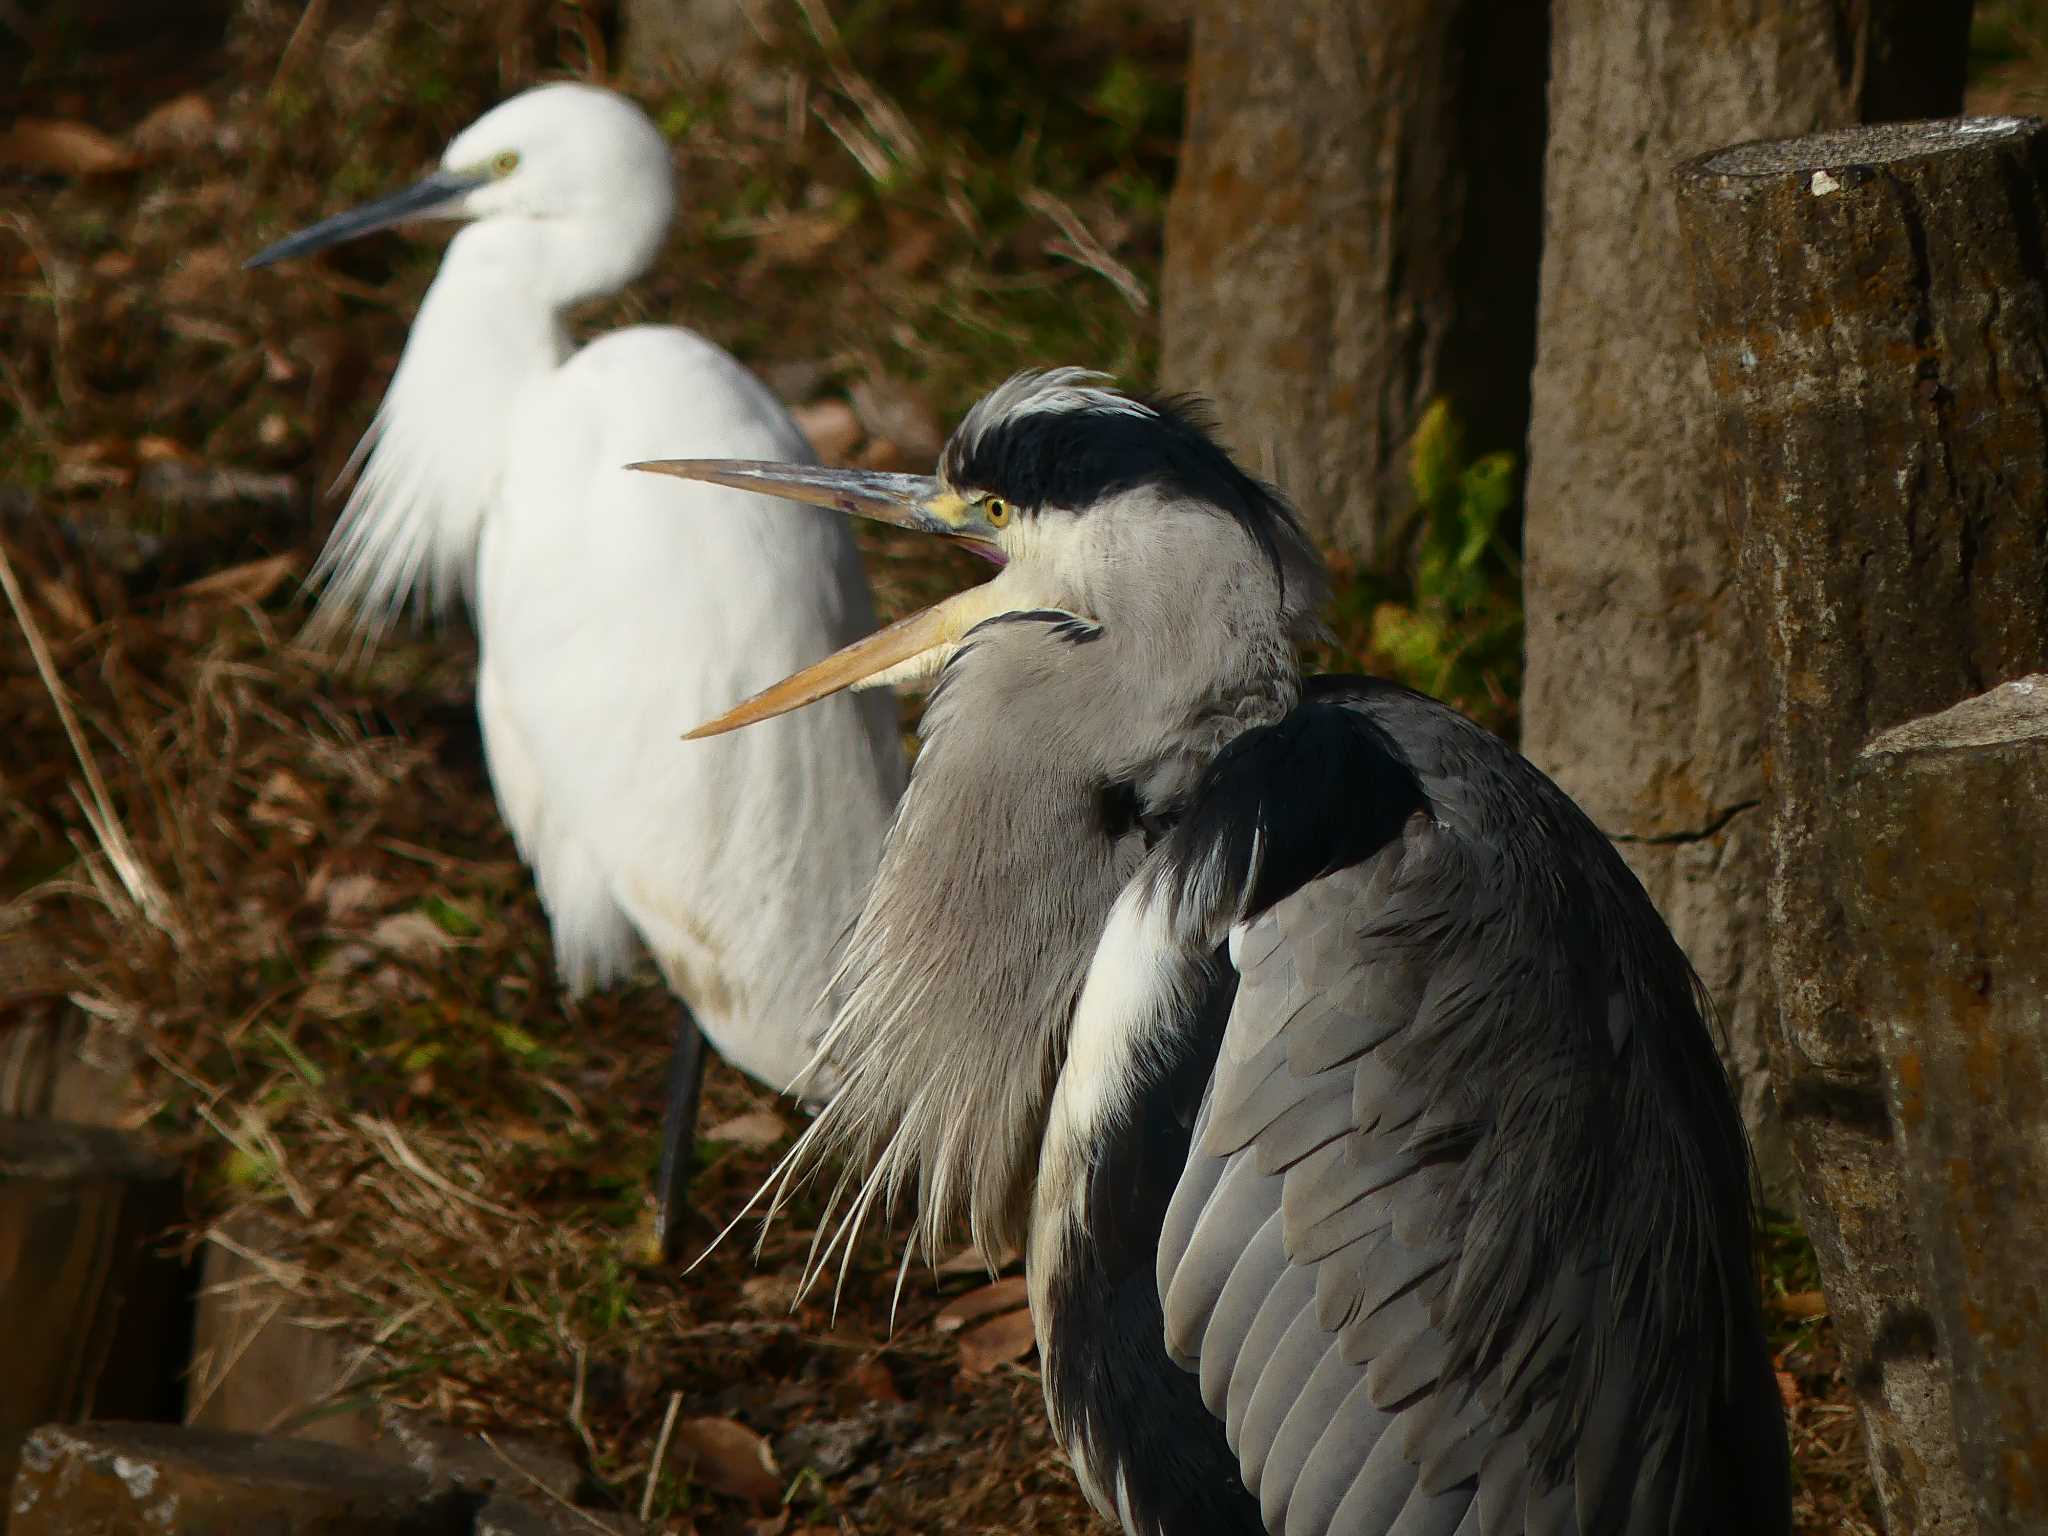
[{"x": 1343, "y": 1263}]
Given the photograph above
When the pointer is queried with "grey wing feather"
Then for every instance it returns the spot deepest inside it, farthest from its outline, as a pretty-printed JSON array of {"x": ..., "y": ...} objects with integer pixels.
[
  {"x": 1286, "y": 1304},
  {"x": 1504, "y": 1485},
  {"x": 1327, "y": 1476},
  {"x": 1236, "y": 1207},
  {"x": 1251, "y": 1282},
  {"x": 1196, "y": 1188},
  {"x": 1441, "y": 1061},
  {"x": 1309, "y": 1410},
  {"x": 1379, "y": 1489},
  {"x": 1363, "y": 1172},
  {"x": 1310, "y": 1416},
  {"x": 1301, "y": 1349}
]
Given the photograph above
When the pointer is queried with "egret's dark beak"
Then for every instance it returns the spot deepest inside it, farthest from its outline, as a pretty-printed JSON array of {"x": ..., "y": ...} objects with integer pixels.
[
  {"x": 423, "y": 199},
  {"x": 908, "y": 648}
]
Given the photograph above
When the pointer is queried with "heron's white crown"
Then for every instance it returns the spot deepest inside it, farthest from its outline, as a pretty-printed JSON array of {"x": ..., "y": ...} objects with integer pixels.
[{"x": 1048, "y": 391}]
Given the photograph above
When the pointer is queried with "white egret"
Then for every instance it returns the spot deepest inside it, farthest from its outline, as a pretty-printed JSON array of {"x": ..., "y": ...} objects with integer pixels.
[{"x": 614, "y": 610}]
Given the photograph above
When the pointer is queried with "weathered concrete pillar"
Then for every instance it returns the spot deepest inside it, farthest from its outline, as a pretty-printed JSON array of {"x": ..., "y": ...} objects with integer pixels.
[{"x": 1873, "y": 306}]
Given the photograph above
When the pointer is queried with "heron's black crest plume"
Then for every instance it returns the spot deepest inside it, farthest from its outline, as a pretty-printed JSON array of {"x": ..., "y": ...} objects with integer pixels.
[{"x": 1063, "y": 438}]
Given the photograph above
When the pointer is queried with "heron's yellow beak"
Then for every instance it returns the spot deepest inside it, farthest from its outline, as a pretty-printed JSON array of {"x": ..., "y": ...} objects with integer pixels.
[{"x": 910, "y": 648}]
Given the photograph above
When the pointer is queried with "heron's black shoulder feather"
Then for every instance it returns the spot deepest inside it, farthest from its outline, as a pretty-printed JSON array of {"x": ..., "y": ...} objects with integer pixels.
[
  {"x": 1070, "y": 627},
  {"x": 1283, "y": 804}
]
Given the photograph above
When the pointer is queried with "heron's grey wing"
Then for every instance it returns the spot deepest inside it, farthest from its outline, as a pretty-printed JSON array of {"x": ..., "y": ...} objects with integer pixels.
[
  {"x": 1400, "y": 1256},
  {"x": 1282, "y": 1276}
]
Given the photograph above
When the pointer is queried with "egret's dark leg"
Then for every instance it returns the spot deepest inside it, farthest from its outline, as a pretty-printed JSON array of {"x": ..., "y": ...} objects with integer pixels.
[{"x": 679, "y": 1134}]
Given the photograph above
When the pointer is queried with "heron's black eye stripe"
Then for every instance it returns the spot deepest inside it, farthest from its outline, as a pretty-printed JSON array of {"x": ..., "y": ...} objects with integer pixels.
[{"x": 1075, "y": 459}]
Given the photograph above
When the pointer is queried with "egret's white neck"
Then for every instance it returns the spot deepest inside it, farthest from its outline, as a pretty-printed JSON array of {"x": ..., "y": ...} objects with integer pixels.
[{"x": 433, "y": 459}]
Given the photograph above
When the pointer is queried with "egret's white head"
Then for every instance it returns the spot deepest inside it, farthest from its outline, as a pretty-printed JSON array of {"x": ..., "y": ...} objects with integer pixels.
[{"x": 573, "y": 176}]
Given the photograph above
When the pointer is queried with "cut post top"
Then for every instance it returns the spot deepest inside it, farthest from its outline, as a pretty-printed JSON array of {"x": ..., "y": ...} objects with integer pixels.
[{"x": 1827, "y": 154}]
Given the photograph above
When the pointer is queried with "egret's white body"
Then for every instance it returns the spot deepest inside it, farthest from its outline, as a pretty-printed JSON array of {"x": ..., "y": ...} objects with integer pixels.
[
  {"x": 613, "y": 609},
  {"x": 601, "y": 629}
]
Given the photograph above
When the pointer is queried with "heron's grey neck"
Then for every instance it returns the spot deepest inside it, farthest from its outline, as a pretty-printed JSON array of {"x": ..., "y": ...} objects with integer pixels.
[{"x": 1050, "y": 750}]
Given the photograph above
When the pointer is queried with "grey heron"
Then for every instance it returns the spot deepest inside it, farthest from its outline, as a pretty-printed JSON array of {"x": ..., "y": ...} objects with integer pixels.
[
  {"x": 611, "y": 609},
  {"x": 1358, "y": 1117}
]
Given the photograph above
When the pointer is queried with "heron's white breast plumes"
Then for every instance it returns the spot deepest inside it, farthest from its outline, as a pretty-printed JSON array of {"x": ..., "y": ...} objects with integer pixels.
[{"x": 962, "y": 971}]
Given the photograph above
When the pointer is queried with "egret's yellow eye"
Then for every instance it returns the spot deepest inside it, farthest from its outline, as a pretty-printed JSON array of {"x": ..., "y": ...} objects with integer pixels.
[
  {"x": 505, "y": 162},
  {"x": 996, "y": 510}
]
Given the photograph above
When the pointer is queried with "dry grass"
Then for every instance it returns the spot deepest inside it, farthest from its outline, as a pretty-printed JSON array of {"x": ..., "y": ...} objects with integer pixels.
[{"x": 281, "y": 885}]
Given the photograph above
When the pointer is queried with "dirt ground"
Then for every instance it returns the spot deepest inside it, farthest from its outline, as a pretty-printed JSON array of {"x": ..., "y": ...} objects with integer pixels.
[{"x": 275, "y": 883}]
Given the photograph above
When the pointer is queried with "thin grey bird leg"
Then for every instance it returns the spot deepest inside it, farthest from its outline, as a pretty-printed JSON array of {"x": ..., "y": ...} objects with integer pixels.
[{"x": 679, "y": 1134}]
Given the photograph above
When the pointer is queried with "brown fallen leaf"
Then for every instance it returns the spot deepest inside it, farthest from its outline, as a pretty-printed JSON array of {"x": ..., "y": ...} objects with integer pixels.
[
  {"x": 183, "y": 122},
  {"x": 66, "y": 608},
  {"x": 155, "y": 448},
  {"x": 726, "y": 1457},
  {"x": 1800, "y": 1304},
  {"x": 288, "y": 803},
  {"x": 199, "y": 328},
  {"x": 972, "y": 1261},
  {"x": 831, "y": 426},
  {"x": 1788, "y": 1390},
  {"x": 411, "y": 936},
  {"x": 95, "y": 450},
  {"x": 760, "y": 1128},
  {"x": 250, "y": 582},
  {"x": 999, "y": 1297},
  {"x": 796, "y": 239},
  {"x": 199, "y": 276},
  {"x": 910, "y": 254},
  {"x": 892, "y": 410},
  {"x": 92, "y": 477},
  {"x": 872, "y": 1381},
  {"x": 67, "y": 148},
  {"x": 769, "y": 1294},
  {"x": 346, "y": 894},
  {"x": 1009, "y": 1337}
]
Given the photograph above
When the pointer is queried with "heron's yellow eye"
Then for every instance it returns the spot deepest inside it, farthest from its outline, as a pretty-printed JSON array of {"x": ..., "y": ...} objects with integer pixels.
[
  {"x": 505, "y": 162},
  {"x": 996, "y": 510}
]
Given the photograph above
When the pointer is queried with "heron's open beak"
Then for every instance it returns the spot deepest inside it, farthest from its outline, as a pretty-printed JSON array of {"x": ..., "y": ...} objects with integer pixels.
[
  {"x": 909, "y": 648},
  {"x": 423, "y": 199}
]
